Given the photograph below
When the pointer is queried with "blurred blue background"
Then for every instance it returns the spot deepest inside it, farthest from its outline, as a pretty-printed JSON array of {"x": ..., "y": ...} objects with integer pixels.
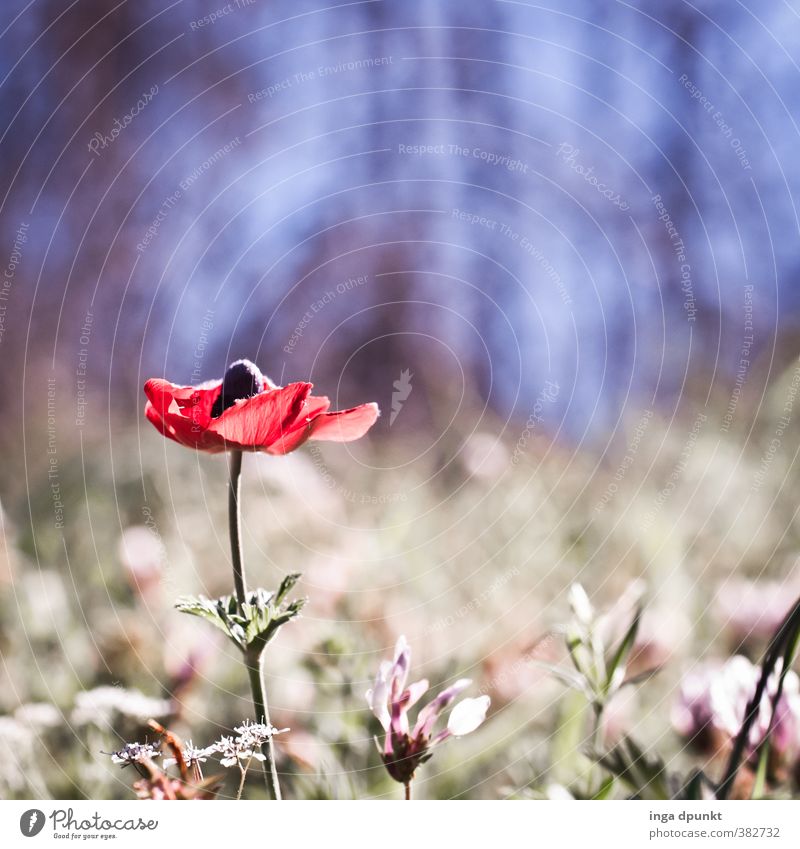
[{"x": 577, "y": 192}]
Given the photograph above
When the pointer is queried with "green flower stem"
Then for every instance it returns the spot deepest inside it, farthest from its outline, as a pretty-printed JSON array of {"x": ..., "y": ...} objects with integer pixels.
[
  {"x": 596, "y": 743},
  {"x": 234, "y": 522},
  {"x": 255, "y": 666},
  {"x": 252, "y": 658}
]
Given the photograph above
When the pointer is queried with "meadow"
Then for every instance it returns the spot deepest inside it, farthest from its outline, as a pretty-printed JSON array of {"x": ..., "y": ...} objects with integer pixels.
[{"x": 477, "y": 549}]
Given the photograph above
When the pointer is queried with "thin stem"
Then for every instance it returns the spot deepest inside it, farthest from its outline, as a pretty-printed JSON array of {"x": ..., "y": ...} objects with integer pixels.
[
  {"x": 252, "y": 659},
  {"x": 255, "y": 666},
  {"x": 786, "y": 633},
  {"x": 243, "y": 774},
  {"x": 596, "y": 743},
  {"x": 234, "y": 522},
  {"x": 408, "y": 791}
]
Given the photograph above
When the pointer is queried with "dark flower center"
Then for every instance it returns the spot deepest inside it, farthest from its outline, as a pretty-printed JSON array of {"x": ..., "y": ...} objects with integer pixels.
[{"x": 242, "y": 380}]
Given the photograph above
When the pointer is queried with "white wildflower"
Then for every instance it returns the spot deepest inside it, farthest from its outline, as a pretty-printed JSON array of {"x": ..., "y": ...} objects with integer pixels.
[
  {"x": 135, "y": 753},
  {"x": 247, "y": 743},
  {"x": 192, "y": 755}
]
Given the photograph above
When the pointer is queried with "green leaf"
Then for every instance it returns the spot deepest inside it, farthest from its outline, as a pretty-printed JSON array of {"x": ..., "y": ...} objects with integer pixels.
[
  {"x": 641, "y": 677},
  {"x": 203, "y": 607},
  {"x": 606, "y": 789},
  {"x": 760, "y": 783},
  {"x": 579, "y": 654},
  {"x": 620, "y": 656},
  {"x": 564, "y": 676},
  {"x": 645, "y": 775},
  {"x": 287, "y": 585},
  {"x": 250, "y": 625}
]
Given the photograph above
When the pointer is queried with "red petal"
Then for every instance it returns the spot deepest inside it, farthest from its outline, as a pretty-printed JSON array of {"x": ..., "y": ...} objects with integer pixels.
[
  {"x": 293, "y": 439},
  {"x": 165, "y": 410},
  {"x": 315, "y": 406},
  {"x": 257, "y": 422},
  {"x": 193, "y": 402},
  {"x": 198, "y": 400},
  {"x": 347, "y": 425},
  {"x": 160, "y": 393},
  {"x": 277, "y": 420},
  {"x": 344, "y": 426},
  {"x": 153, "y": 416},
  {"x": 193, "y": 436},
  {"x": 299, "y": 430}
]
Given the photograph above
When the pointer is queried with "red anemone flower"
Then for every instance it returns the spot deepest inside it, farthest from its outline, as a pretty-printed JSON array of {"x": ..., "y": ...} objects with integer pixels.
[{"x": 246, "y": 411}]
